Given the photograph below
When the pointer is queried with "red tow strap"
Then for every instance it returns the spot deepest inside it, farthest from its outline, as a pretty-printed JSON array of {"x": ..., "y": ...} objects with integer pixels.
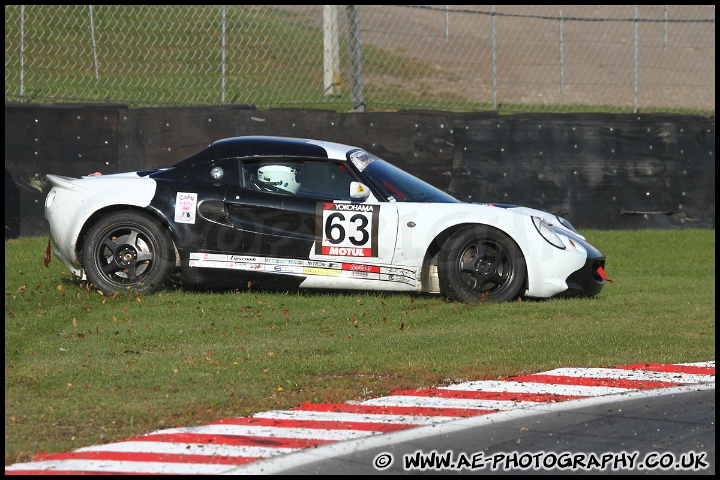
[{"x": 603, "y": 275}]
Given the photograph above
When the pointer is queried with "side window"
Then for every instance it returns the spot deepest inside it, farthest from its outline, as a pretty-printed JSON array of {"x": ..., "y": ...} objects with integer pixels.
[
  {"x": 216, "y": 172},
  {"x": 326, "y": 180},
  {"x": 223, "y": 172},
  {"x": 279, "y": 176}
]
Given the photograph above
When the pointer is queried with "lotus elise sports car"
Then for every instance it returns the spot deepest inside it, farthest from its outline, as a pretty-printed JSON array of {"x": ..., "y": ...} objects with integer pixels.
[{"x": 305, "y": 213}]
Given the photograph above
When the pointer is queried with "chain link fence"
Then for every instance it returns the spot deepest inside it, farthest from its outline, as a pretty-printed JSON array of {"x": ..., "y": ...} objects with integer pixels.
[{"x": 504, "y": 58}]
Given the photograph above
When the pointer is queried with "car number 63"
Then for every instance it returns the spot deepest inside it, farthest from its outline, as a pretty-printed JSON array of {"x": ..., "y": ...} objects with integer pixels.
[{"x": 346, "y": 229}]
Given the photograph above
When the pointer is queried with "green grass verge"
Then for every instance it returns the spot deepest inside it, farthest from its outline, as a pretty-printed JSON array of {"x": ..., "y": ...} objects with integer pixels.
[{"x": 84, "y": 369}]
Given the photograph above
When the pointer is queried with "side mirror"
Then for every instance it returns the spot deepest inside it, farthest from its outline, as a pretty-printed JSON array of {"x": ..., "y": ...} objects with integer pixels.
[{"x": 359, "y": 190}]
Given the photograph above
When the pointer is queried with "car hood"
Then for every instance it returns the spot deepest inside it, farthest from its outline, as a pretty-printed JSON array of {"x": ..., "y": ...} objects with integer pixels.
[{"x": 555, "y": 221}]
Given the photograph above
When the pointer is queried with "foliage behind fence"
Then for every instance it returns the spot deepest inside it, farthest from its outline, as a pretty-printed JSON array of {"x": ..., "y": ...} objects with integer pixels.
[{"x": 506, "y": 58}]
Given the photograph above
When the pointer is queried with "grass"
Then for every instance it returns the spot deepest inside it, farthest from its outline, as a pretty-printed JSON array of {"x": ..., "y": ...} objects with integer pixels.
[{"x": 82, "y": 368}]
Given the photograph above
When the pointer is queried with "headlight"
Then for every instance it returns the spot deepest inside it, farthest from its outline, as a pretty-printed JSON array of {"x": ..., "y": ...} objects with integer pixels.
[
  {"x": 565, "y": 223},
  {"x": 547, "y": 233},
  {"x": 49, "y": 199}
]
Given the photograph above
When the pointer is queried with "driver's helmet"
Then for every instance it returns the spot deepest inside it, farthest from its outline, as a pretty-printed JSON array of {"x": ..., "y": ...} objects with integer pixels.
[{"x": 281, "y": 177}]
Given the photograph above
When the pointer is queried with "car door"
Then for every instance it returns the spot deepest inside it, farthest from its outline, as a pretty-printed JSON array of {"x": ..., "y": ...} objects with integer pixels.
[
  {"x": 357, "y": 232},
  {"x": 271, "y": 224},
  {"x": 313, "y": 219}
]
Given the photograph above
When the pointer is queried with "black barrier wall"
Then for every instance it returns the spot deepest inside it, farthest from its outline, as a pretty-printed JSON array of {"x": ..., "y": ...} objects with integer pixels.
[{"x": 599, "y": 170}]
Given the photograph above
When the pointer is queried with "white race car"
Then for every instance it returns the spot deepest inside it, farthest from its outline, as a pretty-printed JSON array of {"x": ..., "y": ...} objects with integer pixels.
[{"x": 307, "y": 213}]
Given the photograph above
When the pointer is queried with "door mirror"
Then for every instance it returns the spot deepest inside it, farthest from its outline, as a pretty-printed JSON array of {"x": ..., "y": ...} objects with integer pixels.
[{"x": 359, "y": 190}]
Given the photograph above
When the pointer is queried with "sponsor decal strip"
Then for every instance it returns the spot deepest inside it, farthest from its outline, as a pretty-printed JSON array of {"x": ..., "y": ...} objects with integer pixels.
[{"x": 303, "y": 267}]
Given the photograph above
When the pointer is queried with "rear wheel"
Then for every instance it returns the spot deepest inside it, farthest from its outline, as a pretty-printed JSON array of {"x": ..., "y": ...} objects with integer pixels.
[
  {"x": 481, "y": 264},
  {"x": 127, "y": 251}
]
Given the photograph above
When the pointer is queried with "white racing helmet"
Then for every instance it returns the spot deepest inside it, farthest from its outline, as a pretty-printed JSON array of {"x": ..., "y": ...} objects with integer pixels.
[{"x": 281, "y": 177}]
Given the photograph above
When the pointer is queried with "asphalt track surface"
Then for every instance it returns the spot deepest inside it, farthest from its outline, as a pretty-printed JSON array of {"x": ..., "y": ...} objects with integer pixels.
[{"x": 645, "y": 418}]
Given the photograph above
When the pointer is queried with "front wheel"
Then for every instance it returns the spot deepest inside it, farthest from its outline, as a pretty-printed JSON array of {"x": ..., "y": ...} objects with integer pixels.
[
  {"x": 481, "y": 264},
  {"x": 127, "y": 251}
]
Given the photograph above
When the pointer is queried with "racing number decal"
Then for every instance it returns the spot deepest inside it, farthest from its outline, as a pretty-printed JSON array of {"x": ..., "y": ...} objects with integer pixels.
[{"x": 347, "y": 229}]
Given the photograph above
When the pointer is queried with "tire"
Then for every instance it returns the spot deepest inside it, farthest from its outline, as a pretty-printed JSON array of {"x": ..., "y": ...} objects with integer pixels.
[
  {"x": 481, "y": 264},
  {"x": 127, "y": 252}
]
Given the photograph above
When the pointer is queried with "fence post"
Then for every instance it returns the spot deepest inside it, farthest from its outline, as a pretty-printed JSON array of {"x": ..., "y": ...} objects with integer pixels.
[
  {"x": 331, "y": 51},
  {"x": 635, "y": 62},
  {"x": 357, "y": 97},
  {"x": 447, "y": 23},
  {"x": 494, "y": 61},
  {"x": 94, "y": 49},
  {"x": 222, "y": 80},
  {"x": 22, "y": 48},
  {"x": 562, "y": 58},
  {"x": 665, "y": 27}
]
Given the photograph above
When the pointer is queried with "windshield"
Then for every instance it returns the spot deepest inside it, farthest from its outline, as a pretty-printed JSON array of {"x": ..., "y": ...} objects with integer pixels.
[{"x": 396, "y": 184}]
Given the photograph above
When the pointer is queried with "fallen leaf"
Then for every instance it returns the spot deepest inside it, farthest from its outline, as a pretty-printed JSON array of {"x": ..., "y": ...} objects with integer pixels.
[{"x": 74, "y": 322}]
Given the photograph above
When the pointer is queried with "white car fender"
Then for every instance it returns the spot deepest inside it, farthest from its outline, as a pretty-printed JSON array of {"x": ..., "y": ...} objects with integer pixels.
[
  {"x": 547, "y": 266},
  {"x": 95, "y": 193}
]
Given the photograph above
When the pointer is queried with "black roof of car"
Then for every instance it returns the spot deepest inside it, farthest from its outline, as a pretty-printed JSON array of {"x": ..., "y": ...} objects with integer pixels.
[{"x": 252, "y": 146}]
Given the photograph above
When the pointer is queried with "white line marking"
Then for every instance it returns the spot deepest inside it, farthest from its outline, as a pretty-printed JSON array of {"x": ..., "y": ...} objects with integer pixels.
[
  {"x": 102, "y": 466},
  {"x": 176, "y": 448},
  {"x": 439, "y": 402},
  {"x": 617, "y": 373},
  {"x": 281, "y": 432},
  {"x": 350, "y": 417},
  {"x": 532, "y": 387}
]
